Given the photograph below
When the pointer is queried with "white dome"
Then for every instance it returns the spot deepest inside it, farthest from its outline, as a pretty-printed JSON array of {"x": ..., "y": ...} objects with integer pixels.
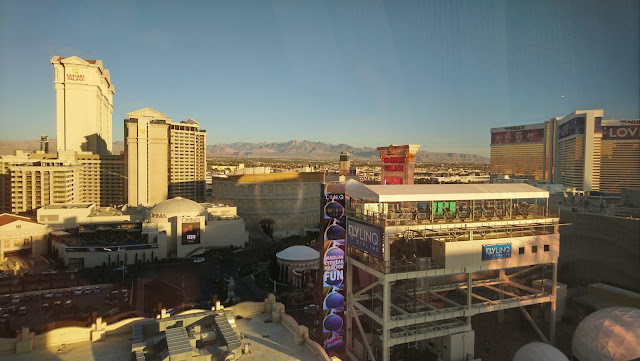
[
  {"x": 298, "y": 253},
  {"x": 536, "y": 351},
  {"x": 177, "y": 205},
  {"x": 609, "y": 334}
]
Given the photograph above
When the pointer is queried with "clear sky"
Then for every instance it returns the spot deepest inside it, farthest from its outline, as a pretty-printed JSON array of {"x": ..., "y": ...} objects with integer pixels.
[{"x": 365, "y": 73}]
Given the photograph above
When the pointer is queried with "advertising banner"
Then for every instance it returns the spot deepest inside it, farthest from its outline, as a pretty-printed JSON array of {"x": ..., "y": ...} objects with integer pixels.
[
  {"x": 573, "y": 126},
  {"x": 191, "y": 233},
  {"x": 133, "y": 247},
  {"x": 518, "y": 136},
  {"x": 496, "y": 251},
  {"x": 333, "y": 259},
  {"x": 365, "y": 237}
]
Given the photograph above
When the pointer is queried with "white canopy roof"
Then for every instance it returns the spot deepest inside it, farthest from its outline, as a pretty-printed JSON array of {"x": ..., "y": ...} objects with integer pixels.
[
  {"x": 298, "y": 253},
  {"x": 445, "y": 192}
]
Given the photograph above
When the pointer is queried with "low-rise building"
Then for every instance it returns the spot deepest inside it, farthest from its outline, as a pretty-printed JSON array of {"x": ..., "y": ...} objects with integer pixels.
[
  {"x": 21, "y": 236},
  {"x": 89, "y": 236},
  {"x": 281, "y": 203}
]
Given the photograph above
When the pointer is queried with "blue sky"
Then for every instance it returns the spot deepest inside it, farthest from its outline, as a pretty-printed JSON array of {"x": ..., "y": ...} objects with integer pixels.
[{"x": 365, "y": 73}]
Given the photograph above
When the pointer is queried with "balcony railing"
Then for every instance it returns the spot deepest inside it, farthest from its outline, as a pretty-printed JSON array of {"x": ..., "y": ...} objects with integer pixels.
[{"x": 407, "y": 217}]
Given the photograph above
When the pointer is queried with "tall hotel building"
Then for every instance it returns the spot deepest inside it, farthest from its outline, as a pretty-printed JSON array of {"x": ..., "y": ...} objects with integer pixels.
[
  {"x": 163, "y": 159},
  {"x": 577, "y": 150},
  {"x": 620, "y": 155},
  {"x": 581, "y": 151},
  {"x": 33, "y": 180},
  {"x": 521, "y": 151},
  {"x": 84, "y": 102}
]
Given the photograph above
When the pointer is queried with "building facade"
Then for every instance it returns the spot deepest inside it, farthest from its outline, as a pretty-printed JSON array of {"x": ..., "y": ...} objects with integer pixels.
[
  {"x": 163, "y": 159},
  {"x": 520, "y": 151},
  {"x": 88, "y": 236},
  {"x": 620, "y": 155},
  {"x": 577, "y": 150},
  {"x": 33, "y": 180},
  {"x": 84, "y": 102},
  {"x": 21, "y": 236},
  {"x": 581, "y": 151},
  {"x": 422, "y": 260},
  {"x": 281, "y": 203}
]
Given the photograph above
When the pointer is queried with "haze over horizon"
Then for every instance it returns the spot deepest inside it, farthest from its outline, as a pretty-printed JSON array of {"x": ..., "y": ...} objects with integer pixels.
[{"x": 438, "y": 74}]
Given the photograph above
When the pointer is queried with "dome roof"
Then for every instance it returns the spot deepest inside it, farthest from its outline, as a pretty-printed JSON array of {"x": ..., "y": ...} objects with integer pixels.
[
  {"x": 609, "y": 334},
  {"x": 298, "y": 253},
  {"x": 177, "y": 205},
  {"x": 536, "y": 351}
]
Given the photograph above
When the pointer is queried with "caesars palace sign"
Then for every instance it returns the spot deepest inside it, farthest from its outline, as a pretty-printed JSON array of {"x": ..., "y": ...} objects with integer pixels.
[{"x": 75, "y": 75}]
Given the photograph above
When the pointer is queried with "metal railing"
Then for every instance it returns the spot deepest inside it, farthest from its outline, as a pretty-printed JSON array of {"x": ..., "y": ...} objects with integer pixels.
[{"x": 397, "y": 265}]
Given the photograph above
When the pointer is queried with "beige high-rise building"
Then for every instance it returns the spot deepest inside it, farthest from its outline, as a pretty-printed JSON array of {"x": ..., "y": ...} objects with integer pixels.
[
  {"x": 164, "y": 159},
  {"x": 84, "y": 102},
  {"x": 33, "y": 180}
]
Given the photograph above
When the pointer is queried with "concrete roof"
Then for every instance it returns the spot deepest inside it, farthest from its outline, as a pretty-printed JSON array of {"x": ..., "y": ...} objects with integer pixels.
[
  {"x": 271, "y": 341},
  {"x": 444, "y": 192}
]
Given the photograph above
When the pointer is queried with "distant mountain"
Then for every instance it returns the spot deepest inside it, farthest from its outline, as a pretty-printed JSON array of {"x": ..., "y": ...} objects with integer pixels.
[
  {"x": 293, "y": 149},
  {"x": 304, "y": 149},
  {"x": 10, "y": 146}
]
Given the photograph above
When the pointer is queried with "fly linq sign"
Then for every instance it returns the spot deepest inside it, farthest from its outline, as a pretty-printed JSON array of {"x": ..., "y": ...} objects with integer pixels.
[{"x": 364, "y": 237}]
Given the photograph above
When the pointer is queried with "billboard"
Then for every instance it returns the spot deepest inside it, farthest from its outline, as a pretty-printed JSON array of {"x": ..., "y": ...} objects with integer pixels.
[
  {"x": 571, "y": 127},
  {"x": 517, "y": 136},
  {"x": 333, "y": 268},
  {"x": 620, "y": 132},
  {"x": 191, "y": 233},
  {"x": 496, "y": 251},
  {"x": 365, "y": 237}
]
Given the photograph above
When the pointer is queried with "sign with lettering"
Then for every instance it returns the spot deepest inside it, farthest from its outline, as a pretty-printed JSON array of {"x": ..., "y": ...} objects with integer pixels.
[
  {"x": 393, "y": 160},
  {"x": 75, "y": 75},
  {"x": 333, "y": 268},
  {"x": 364, "y": 237},
  {"x": 620, "y": 132},
  {"x": 496, "y": 251}
]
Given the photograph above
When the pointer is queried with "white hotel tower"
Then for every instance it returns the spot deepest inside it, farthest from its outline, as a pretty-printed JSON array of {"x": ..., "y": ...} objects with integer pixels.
[{"x": 84, "y": 102}]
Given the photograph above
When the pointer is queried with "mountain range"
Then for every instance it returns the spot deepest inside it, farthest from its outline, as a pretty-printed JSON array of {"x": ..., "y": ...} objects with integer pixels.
[{"x": 293, "y": 149}]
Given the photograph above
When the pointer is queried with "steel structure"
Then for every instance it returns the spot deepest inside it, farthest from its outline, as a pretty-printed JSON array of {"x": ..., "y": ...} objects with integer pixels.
[{"x": 447, "y": 253}]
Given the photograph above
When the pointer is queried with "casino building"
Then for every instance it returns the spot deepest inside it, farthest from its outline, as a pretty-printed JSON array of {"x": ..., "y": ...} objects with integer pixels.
[
  {"x": 521, "y": 151},
  {"x": 581, "y": 151},
  {"x": 422, "y": 260},
  {"x": 88, "y": 236},
  {"x": 619, "y": 155}
]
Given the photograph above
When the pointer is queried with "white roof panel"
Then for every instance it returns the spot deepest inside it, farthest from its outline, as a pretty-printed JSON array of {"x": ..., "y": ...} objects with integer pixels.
[{"x": 445, "y": 192}]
